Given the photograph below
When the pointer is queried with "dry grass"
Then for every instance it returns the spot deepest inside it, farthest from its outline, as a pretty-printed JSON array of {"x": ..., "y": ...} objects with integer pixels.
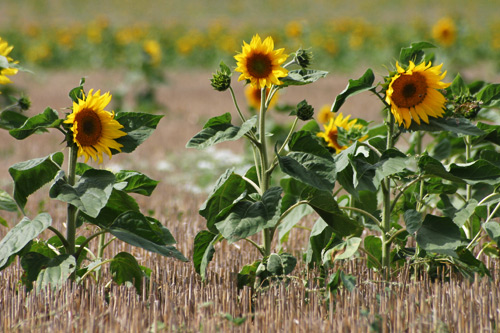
[{"x": 177, "y": 299}]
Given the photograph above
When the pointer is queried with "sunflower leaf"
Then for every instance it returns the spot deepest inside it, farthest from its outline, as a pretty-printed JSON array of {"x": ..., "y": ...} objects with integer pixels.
[
  {"x": 203, "y": 251},
  {"x": 125, "y": 269},
  {"x": 136, "y": 182},
  {"x": 39, "y": 123},
  {"x": 354, "y": 87},
  {"x": 10, "y": 120},
  {"x": 454, "y": 125},
  {"x": 30, "y": 175},
  {"x": 219, "y": 129},
  {"x": 300, "y": 77},
  {"x": 414, "y": 52},
  {"x": 138, "y": 126}
]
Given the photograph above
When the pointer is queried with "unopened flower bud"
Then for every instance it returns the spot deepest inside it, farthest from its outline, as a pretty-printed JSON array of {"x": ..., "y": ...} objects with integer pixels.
[
  {"x": 221, "y": 80},
  {"x": 303, "y": 57},
  {"x": 24, "y": 103},
  {"x": 304, "y": 111}
]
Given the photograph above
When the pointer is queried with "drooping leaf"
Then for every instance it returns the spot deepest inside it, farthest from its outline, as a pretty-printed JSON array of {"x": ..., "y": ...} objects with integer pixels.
[
  {"x": 319, "y": 238},
  {"x": 227, "y": 189},
  {"x": 300, "y": 77},
  {"x": 47, "y": 272},
  {"x": 11, "y": 119},
  {"x": 439, "y": 235},
  {"x": 354, "y": 87},
  {"x": 344, "y": 250},
  {"x": 431, "y": 166},
  {"x": 462, "y": 215},
  {"x": 203, "y": 251},
  {"x": 454, "y": 125},
  {"x": 48, "y": 119},
  {"x": 30, "y": 175},
  {"x": 391, "y": 162},
  {"x": 413, "y": 220},
  {"x": 7, "y": 202},
  {"x": 124, "y": 269},
  {"x": 219, "y": 129},
  {"x": 136, "y": 182},
  {"x": 246, "y": 276},
  {"x": 22, "y": 234},
  {"x": 138, "y": 126},
  {"x": 246, "y": 218},
  {"x": 90, "y": 194},
  {"x": 489, "y": 93},
  {"x": 138, "y": 230},
  {"x": 479, "y": 171}
]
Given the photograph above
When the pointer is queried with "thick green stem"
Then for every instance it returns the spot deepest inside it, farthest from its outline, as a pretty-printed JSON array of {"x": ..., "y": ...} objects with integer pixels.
[
  {"x": 72, "y": 210},
  {"x": 468, "y": 188},
  {"x": 386, "y": 211}
]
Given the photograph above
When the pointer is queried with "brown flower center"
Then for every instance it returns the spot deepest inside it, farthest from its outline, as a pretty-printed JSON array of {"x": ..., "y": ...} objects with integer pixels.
[
  {"x": 89, "y": 127},
  {"x": 409, "y": 90},
  {"x": 259, "y": 65}
]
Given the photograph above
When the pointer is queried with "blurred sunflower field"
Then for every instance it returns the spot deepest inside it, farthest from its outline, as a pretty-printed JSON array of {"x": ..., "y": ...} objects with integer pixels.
[{"x": 122, "y": 34}]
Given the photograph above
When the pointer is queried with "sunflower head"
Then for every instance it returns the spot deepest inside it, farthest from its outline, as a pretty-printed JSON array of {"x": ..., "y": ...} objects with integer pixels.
[
  {"x": 339, "y": 133},
  {"x": 253, "y": 97},
  {"x": 445, "y": 31},
  {"x": 260, "y": 63},
  {"x": 94, "y": 129},
  {"x": 413, "y": 93},
  {"x": 6, "y": 62},
  {"x": 325, "y": 114}
]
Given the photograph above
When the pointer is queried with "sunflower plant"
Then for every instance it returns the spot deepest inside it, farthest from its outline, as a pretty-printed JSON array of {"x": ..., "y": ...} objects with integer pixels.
[
  {"x": 96, "y": 198},
  {"x": 432, "y": 206},
  {"x": 288, "y": 180}
]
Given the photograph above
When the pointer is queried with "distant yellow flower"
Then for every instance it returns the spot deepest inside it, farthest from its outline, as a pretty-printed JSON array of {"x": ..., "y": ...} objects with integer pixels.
[
  {"x": 153, "y": 49},
  {"x": 445, "y": 31},
  {"x": 253, "y": 97},
  {"x": 94, "y": 129},
  {"x": 260, "y": 63},
  {"x": 330, "y": 134},
  {"x": 325, "y": 115},
  {"x": 293, "y": 29},
  {"x": 413, "y": 94},
  {"x": 4, "y": 52}
]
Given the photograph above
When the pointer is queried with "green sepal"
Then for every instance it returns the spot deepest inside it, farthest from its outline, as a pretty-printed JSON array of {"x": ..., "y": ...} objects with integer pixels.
[{"x": 31, "y": 175}]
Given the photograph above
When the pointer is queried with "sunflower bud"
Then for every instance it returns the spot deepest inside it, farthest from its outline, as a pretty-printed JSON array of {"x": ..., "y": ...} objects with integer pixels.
[
  {"x": 303, "y": 57},
  {"x": 304, "y": 111},
  {"x": 24, "y": 103},
  {"x": 221, "y": 80}
]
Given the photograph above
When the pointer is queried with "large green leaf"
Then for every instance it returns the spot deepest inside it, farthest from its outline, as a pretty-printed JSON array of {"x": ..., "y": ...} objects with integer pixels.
[
  {"x": 138, "y": 126},
  {"x": 136, "y": 182},
  {"x": 280, "y": 264},
  {"x": 56, "y": 271},
  {"x": 219, "y": 130},
  {"x": 289, "y": 221},
  {"x": 319, "y": 238},
  {"x": 458, "y": 87},
  {"x": 118, "y": 202},
  {"x": 228, "y": 188},
  {"x": 440, "y": 235},
  {"x": 137, "y": 230},
  {"x": 493, "y": 230},
  {"x": 344, "y": 250},
  {"x": 22, "y": 234},
  {"x": 373, "y": 245},
  {"x": 11, "y": 119},
  {"x": 246, "y": 218},
  {"x": 413, "y": 220},
  {"x": 203, "y": 251},
  {"x": 431, "y": 166},
  {"x": 125, "y": 269},
  {"x": 480, "y": 171},
  {"x": 489, "y": 93},
  {"x": 7, "y": 202},
  {"x": 454, "y": 125},
  {"x": 90, "y": 194},
  {"x": 300, "y": 77},
  {"x": 391, "y": 162},
  {"x": 309, "y": 162},
  {"x": 354, "y": 87},
  {"x": 414, "y": 52},
  {"x": 30, "y": 175},
  {"x": 48, "y": 119},
  {"x": 324, "y": 203}
]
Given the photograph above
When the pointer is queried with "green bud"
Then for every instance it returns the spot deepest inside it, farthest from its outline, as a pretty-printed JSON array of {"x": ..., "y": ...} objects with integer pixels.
[
  {"x": 304, "y": 111},
  {"x": 221, "y": 80},
  {"x": 24, "y": 103},
  {"x": 303, "y": 57}
]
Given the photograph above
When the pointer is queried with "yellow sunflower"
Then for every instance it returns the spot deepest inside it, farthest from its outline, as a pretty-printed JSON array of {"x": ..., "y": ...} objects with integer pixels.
[
  {"x": 94, "y": 129},
  {"x": 413, "y": 93},
  {"x": 253, "y": 97},
  {"x": 260, "y": 63},
  {"x": 445, "y": 31},
  {"x": 325, "y": 114},
  {"x": 4, "y": 52},
  {"x": 331, "y": 132}
]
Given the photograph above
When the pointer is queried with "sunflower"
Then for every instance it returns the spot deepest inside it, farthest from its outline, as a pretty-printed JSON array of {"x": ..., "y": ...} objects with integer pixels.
[
  {"x": 445, "y": 31},
  {"x": 94, "y": 129},
  {"x": 4, "y": 52},
  {"x": 413, "y": 94},
  {"x": 325, "y": 115},
  {"x": 331, "y": 132},
  {"x": 260, "y": 63},
  {"x": 253, "y": 97}
]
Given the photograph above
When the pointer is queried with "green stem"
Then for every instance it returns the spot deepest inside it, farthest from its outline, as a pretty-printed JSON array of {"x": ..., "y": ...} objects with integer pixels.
[
  {"x": 289, "y": 136},
  {"x": 386, "y": 212},
  {"x": 468, "y": 187},
  {"x": 60, "y": 236},
  {"x": 236, "y": 104},
  {"x": 87, "y": 241},
  {"x": 289, "y": 210},
  {"x": 94, "y": 268},
  {"x": 364, "y": 212},
  {"x": 257, "y": 246},
  {"x": 72, "y": 210}
]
